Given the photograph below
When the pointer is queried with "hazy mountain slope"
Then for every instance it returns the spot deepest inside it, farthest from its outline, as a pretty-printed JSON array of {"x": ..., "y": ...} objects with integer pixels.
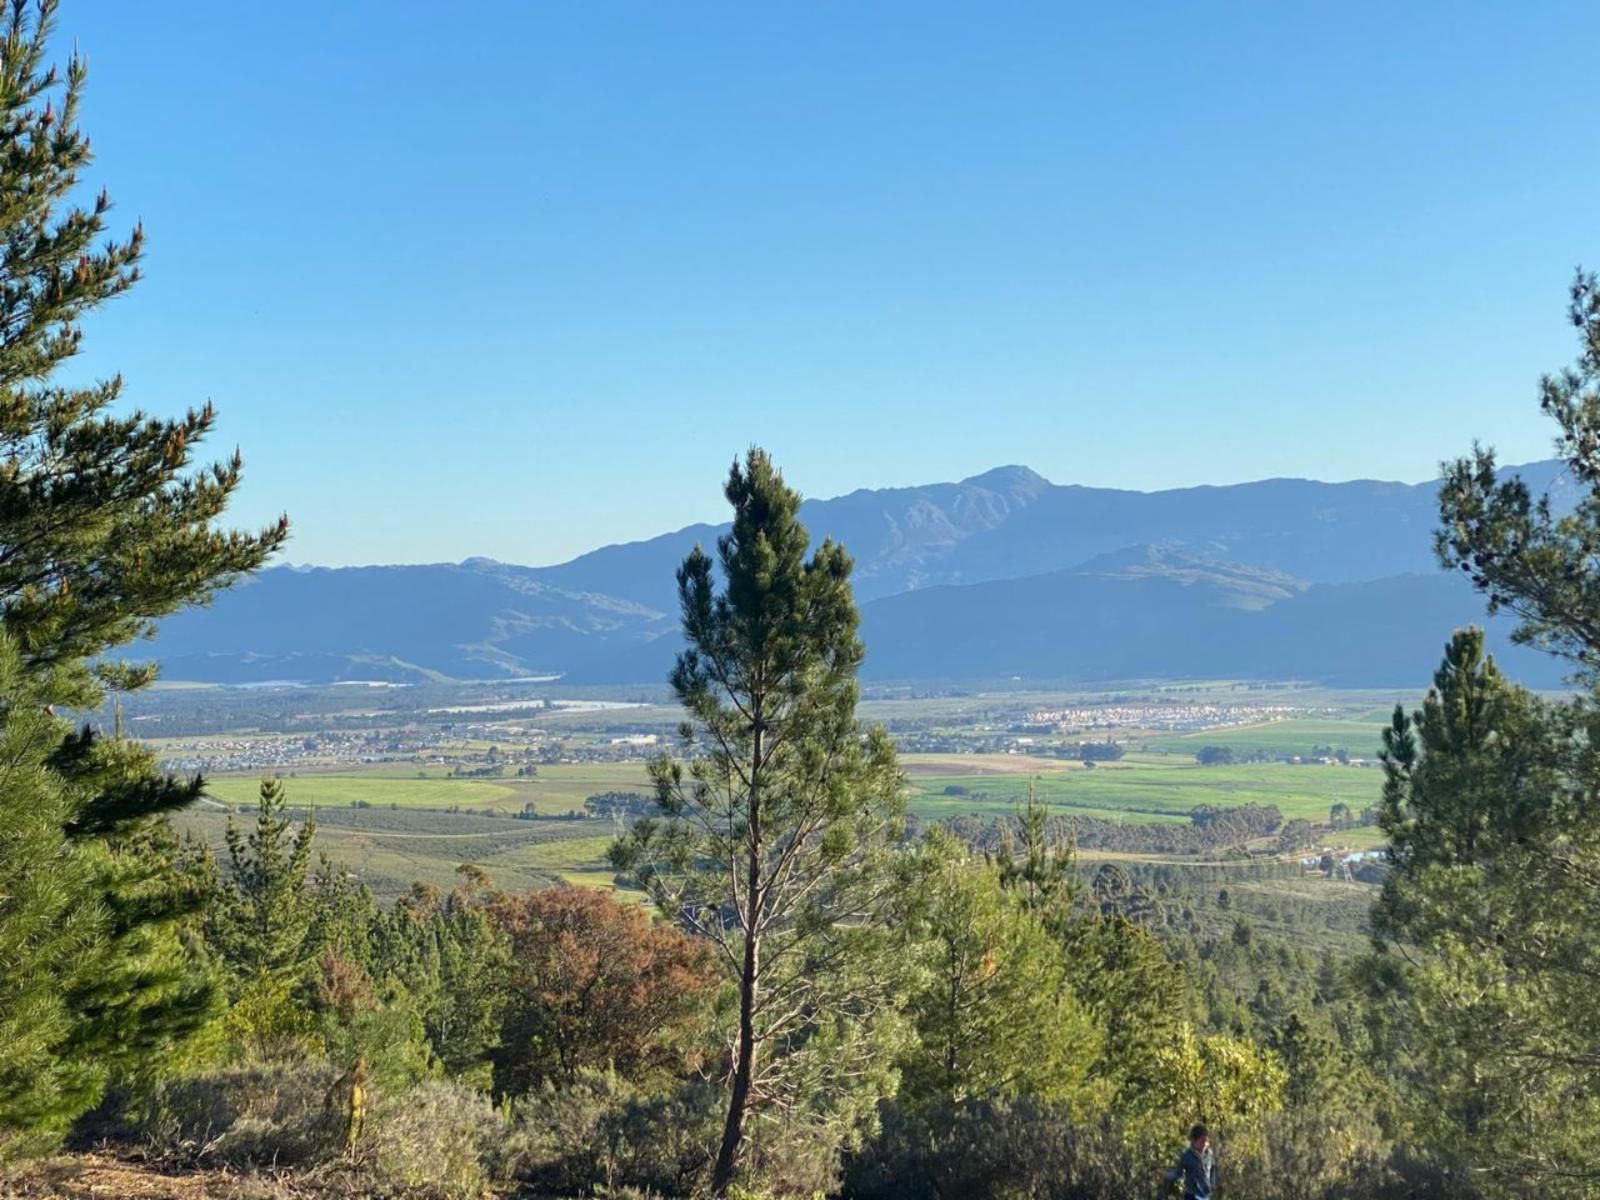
[
  {"x": 1382, "y": 632},
  {"x": 1000, "y": 574},
  {"x": 1115, "y": 616},
  {"x": 1316, "y": 531},
  {"x": 1011, "y": 522},
  {"x": 475, "y": 619},
  {"x": 1174, "y": 617}
]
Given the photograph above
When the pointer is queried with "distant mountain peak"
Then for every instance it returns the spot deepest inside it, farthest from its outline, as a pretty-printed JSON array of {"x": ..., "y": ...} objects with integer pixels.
[{"x": 1010, "y": 478}]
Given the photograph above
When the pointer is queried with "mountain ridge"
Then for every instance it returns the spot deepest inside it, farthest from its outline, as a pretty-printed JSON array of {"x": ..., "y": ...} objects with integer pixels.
[{"x": 1004, "y": 552}]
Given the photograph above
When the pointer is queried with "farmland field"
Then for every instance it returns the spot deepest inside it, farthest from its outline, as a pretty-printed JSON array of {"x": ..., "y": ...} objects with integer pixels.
[
  {"x": 1139, "y": 787},
  {"x": 556, "y": 790},
  {"x": 393, "y": 827},
  {"x": 1360, "y": 738},
  {"x": 422, "y": 812},
  {"x": 391, "y": 849},
  {"x": 1149, "y": 787}
]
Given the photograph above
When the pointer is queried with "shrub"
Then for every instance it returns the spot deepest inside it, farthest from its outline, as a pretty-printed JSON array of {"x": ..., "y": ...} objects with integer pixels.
[
  {"x": 1313, "y": 1154},
  {"x": 388, "y": 1037},
  {"x": 600, "y": 1132},
  {"x": 993, "y": 1151},
  {"x": 431, "y": 1141},
  {"x": 595, "y": 983},
  {"x": 246, "y": 1116},
  {"x": 267, "y": 1020},
  {"x": 1024, "y": 1147},
  {"x": 793, "y": 1158}
]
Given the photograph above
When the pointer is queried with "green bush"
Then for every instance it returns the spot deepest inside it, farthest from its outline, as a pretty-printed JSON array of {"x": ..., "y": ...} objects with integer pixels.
[
  {"x": 994, "y": 1151},
  {"x": 245, "y": 1116},
  {"x": 390, "y": 1040},
  {"x": 792, "y": 1158},
  {"x": 431, "y": 1141},
  {"x": 601, "y": 1132},
  {"x": 1025, "y": 1148}
]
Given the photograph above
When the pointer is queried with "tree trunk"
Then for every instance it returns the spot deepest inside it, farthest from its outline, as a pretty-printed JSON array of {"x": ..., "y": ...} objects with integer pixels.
[
  {"x": 743, "y": 1073},
  {"x": 744, "y": 1070}
]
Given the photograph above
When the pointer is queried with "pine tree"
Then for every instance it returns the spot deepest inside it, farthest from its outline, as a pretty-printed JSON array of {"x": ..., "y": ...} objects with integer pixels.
[
  {"x": 1040, "y": 868},
  {"x": 262, "y": 923},
  {"x": 44, "y": 930},
  {"x": 1525, "y": 555},
  {"x": 771, "y": 833},
  {"x": 1482, "y": 979},
  {"x": 1482, "y": 983},
  {"x": 343, "y": 912},
  {"x": 104, "y": 527},
  {"x": 443, "y": 955},
  {"x": 1472, "y": 769},
  {"x": 995, "y": 1016},
  {"x": 104, "y": 979}
]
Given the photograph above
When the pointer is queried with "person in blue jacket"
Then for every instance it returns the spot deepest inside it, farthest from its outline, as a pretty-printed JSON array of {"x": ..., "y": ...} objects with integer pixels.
[{"x": 1197, "y": 1167}]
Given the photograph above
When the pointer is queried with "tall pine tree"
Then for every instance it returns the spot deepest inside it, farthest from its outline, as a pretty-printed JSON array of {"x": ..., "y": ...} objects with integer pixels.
[
  {"x": 1473, "y": 771},
  {"x": 1041, "y": 868},
  {"x": 1483, "y": 985},
  {"x": 771, "y": 834},
  {"x": 104, "y": 527}
]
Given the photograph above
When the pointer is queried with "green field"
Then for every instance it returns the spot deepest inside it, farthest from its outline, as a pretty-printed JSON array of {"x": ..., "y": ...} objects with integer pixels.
[
  {"x": 1360, "y": 738},
  {"x": 392, "y": 848},
  {"x": 1369, "y": 837},
  {"x": 423, "y": 828},
  {"x": 557, "y": 790},
  {"x": 1147, "y": 787}
]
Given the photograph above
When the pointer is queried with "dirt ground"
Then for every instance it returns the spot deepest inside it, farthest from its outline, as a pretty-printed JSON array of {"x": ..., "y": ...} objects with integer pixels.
[{"x": 101, "y": 1177}]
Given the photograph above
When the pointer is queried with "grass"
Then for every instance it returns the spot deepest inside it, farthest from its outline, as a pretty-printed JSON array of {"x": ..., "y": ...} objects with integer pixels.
[
  {"x": 81, "y": 1177},
  {"x": 1368, "y": 837},
  {"x": 606, "y": 881},
  {"x": 391, "y": 849},
  {"x": 1360, "y": 738},
  {"x": 422, "y": 829},
  {"x": 1152, "y": 788},
  {"x": 347, "y": 790},
  {"x": 557, "y": 789},
  {"x": 934, "y": 807},
  {"x": 554, "y": 855}
]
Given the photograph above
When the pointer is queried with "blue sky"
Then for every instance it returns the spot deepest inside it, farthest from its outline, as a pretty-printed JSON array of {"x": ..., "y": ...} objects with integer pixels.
[{"x": 517, "y": 279}]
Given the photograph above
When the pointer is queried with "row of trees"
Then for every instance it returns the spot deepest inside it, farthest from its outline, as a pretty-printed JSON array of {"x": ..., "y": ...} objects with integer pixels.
[{"x": 1209, "y": 830}]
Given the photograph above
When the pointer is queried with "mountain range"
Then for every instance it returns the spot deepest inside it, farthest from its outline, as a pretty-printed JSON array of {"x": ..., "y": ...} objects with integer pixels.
[{"x": 998, "y": 576}]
